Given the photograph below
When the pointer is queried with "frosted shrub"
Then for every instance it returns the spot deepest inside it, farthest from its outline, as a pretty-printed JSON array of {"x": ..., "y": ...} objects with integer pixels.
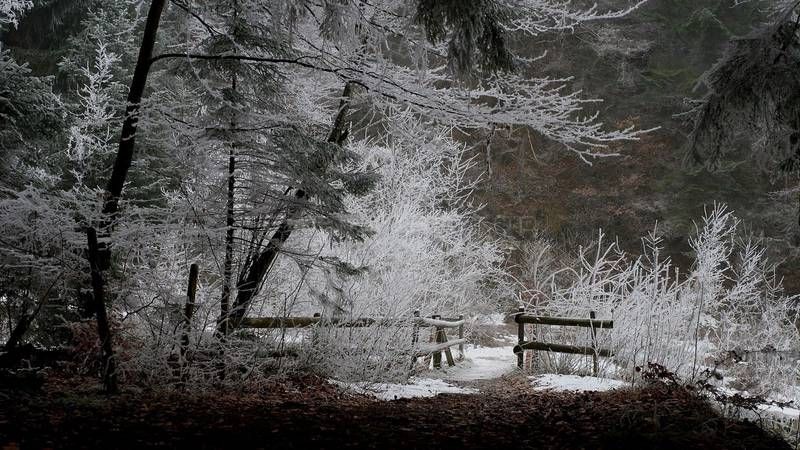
[
  {"x": 729, "y": 300},
  {"x": 427, "y": 252},
  {"x": 376, "y": 353}
]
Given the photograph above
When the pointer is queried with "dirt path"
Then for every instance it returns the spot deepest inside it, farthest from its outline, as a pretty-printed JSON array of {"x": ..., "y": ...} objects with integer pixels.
[{"x": 310, "y": 413}]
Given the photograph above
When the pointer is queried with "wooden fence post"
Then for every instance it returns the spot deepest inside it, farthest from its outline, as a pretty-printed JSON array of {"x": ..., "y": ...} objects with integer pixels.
[
  {"x": 521, "y": 338},
  {"x": 314, "y": 333},
  {"x": 188, "y": 312},
  {"x": 414, "y": 338},
  {"x": 594, "y": 344},
  {"x": 437, "y": 355},
  {"x": 461, "y": 336},
  {"x": 447, "y": 353}
]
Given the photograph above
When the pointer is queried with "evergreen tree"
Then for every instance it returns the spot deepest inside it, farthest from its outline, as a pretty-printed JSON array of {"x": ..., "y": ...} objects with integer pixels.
[{"x": 754, "y": 97}]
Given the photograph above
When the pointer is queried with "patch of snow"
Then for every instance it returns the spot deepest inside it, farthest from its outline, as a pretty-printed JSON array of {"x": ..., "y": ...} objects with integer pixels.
[
  {"x": 417, "y": 387},
  {"x": 787, "y": 412},
  {"x": 482, "y": 363},
  {"x": 774, "y": 411},
  {"x": 574, "y": 383}
]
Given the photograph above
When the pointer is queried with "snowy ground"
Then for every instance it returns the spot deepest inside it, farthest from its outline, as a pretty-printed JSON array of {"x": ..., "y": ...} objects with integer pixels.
[
  {"x": 558, "y": 382},
  {"x": 781, "y": 412},
  {"x": 482, "y": 363},
  {"x": 493, "y": 361},
  {"x": 417, "y": 387}
]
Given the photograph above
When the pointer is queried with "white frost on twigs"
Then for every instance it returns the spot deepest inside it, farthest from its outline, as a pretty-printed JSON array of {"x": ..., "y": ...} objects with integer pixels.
[{"x": 12, "y": 10}]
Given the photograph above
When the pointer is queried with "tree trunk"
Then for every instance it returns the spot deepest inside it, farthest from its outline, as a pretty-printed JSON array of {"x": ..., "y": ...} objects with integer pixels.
[
  {"x": 794, "y": 144},
  {"x": 103, "y": 330},
  {"x": 222, "y": 325},
  {"x": 188, "y": 311},
  {"x": 249, "y": 285},
  {"x": 122, "y": 162},
  {"x": 20, "y": 329}
]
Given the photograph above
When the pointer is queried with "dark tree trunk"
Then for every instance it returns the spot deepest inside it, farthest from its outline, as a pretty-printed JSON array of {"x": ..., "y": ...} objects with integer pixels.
[
  {"x": 222, "y": 326},
  {"x": 794, "y": 144},
  {"x": 188, "y": 311},
  {"x": 248, "y": 287},
  {"x": 19, "y": 330},
  {"x": 103, "y": 330},
  {"x": 255, "y": 273},
  {"x": 122, "y": 162},
  {"x": 100, "y": 256},
  {"x": 24, "y": 322}
]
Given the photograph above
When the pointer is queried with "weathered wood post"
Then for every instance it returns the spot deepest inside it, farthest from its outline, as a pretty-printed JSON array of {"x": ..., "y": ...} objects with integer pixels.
[
  {"x": 188, "y": 311},
  {"x": 447, "y": 353},
  {"x": 461, "y": 336},
  {"x": 437, "y": 355},
  {"x": 315, "y": 337},
  {"x": 414, "y": 337},
  {"x": 520, "y": 336},
  {"x": 594, "y": 343}
]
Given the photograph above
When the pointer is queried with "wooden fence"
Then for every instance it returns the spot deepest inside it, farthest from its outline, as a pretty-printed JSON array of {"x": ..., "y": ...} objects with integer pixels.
[
  {"x": 592, "y": 323},
  {"x": 439, "y": 344}
]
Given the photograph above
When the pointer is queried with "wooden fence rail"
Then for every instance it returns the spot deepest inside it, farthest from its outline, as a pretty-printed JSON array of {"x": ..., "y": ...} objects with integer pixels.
[
  {"x": 302, "y": 322},
  {"x": 439, "y": 336},
  {"x": 564, "y": 321},
  {"x": 592, "y": 323},
  {"x": 561, "y": 348}
]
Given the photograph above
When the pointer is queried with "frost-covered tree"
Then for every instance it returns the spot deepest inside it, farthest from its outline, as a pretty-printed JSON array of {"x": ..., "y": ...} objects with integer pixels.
[
  {"x": 428, "y": 252},
  {"x": 753, "y": 97},
  {"x": 32, "y": 115},
  {"x": 57, "y": 149},
  {"x": 350, "y": 44},
  {"x": 54, "y": 196},
  {"x": 12, "y": 10},
  {"x": 255, "y": 129}
]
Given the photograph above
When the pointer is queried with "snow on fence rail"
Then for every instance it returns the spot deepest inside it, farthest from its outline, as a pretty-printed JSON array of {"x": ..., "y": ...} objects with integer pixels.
[
  {"x": 592, "y": 323},
  {"x": 302, "y": 322},
  {"x": 440, "y": 336},
  {"x": 441, "y": 342}
]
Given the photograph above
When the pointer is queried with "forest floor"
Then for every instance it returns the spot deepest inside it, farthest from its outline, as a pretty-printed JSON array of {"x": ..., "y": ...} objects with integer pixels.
[{"x": 310, "y": 412}]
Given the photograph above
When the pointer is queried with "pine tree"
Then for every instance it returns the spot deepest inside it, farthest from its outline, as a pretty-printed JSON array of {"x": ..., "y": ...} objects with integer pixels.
[{"x": 753, "y": 96}]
